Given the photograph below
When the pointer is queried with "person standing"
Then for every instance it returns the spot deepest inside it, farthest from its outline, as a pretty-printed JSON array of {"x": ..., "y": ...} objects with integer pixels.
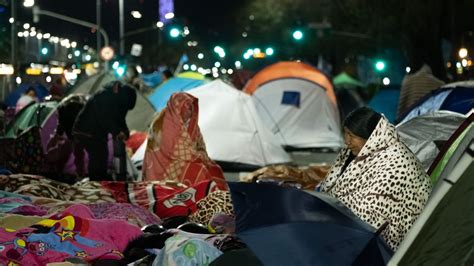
[
  {"x": 415, "y": 86},
  {"x": 103, "y": 114}
]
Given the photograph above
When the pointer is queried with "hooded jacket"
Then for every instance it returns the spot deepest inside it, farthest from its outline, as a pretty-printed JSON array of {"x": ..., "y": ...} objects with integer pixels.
[
  {"x": 385, "y": 182},
  {"x": 105, "y": 111}
]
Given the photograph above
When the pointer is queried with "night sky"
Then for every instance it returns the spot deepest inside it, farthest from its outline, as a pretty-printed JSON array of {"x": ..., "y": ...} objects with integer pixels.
[{"x": 206, "y": 19}]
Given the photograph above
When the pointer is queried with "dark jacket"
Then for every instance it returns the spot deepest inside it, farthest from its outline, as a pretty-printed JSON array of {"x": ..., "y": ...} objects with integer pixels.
[{"x": 105, "y": 111}]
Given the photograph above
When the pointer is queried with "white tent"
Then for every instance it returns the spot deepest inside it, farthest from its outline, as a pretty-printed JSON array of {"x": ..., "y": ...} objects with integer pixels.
[
  {"x": 299, "y": 113},
  {"x": 232, "y": 129}
]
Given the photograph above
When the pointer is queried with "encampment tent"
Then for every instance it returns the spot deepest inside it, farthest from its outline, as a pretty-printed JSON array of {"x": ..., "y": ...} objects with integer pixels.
[
  {"x": 182, "y": 82},
  {"x": 419, "y": 135},
  {"x": 139, "y": 118},
  {"x": 443, "y": 234},
  {"x": 297, "y": 103},
  {"x": 457, "y": 97},
  {"x": 43, "y": 115},
  {"x": 444, "y": 156},
  {"x": 232, "y": 129},
  {"x": 343, "y": 80},
  {"x": 234, "y": 135}
]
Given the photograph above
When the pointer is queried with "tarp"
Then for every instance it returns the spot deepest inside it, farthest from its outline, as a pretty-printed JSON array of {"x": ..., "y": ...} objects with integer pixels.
[
  {"x": 152, "y": 80},
  {"x": 443, "y": 234},
  {"x": 297, "y": 103},
  {"x": 12, "y": 98},
  {"x": 425, "y": 142},
  {"x": 386, "y": 102},
  {"x": 457, "y": 97},
  {"x": 343, "y": 80},
  {"x": 139, "y": 118},
  {"x": 183, "y": 82},
  {"x": 232, "y": 128}
]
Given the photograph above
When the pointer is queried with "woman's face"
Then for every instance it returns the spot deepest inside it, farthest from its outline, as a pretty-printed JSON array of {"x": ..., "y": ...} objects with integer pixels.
[{"x": 353, "y": 142}]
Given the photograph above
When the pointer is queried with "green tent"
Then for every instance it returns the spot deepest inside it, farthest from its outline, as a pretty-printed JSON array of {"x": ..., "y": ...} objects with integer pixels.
[
  {"x": 444, "y": 232},
  {"x": 139, "y": 118},
  {"x": 441, "y": 162},
  {"x": 35, "y": 114},
  {"x": 343, "y": 80}
]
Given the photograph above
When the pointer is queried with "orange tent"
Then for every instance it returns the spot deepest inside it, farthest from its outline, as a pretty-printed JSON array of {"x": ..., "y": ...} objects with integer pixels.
[{"x": 293, "y": 69}]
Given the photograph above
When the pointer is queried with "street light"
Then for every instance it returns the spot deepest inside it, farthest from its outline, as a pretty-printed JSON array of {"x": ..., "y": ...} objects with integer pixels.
[
  {"x": 28, "y": 3},
  {"x": 160, "y": 24},
  {"x": 26, "y": 26},
  {"x": 169, "y": 15},
  {"x": 463, "y": 52},
  {"x": 297, "y": 35},
  {"x": 136, "y": 14}
]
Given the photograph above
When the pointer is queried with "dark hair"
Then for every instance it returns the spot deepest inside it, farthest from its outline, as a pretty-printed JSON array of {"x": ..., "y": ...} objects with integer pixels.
[
  {"x": 362, "y": 121},
  {"x": 31, "y": 88},
  {"x": 167, "y": 73}
]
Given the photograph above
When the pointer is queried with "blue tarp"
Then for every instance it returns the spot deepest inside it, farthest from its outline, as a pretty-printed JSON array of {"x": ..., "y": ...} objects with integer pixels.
[
  {"x": 459, "y": 99},
  {"x": 152, "y": 80},
  {"x": 161, "y": 95},
  {"x": 41, "y": 92},
  {"x": 386, "y": 102}
]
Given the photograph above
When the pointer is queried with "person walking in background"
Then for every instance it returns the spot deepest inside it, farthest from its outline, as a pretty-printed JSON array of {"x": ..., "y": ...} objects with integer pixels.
[
  {"x": 103, "y": 114},
  {"x": 28, "y": 97},
  {"x": 415, "y": 86}
]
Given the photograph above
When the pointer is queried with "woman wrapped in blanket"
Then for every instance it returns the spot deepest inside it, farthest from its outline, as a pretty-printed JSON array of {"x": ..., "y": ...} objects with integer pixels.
[{"x": 377, "y": 176}]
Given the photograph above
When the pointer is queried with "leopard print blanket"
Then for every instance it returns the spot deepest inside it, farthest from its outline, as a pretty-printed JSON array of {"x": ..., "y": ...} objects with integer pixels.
[
  {"x": 384, "y": 183},
  {"x": 38, "y": 186},
  {"x": 216, "y": 202}
]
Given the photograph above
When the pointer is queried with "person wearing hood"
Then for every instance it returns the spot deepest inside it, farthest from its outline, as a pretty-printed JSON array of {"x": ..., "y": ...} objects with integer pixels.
[
  {"x": 103, "y": 114},
  {"x": 377, "y": 176}
]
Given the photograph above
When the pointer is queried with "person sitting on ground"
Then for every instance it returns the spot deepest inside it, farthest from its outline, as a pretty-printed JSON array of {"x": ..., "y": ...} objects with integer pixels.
[
  {"x": 377, "y": 176},
  {"x": 103, "y": 114},
  {"x": 29, "y": 96}
]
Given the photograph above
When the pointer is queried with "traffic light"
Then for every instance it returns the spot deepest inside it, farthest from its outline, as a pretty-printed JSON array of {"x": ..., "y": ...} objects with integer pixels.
[
  {"x": 44, "y": 51},
  {"x": 380, "y": 65},
  {"x": 298, "y": 35},
  {"x": 174, "y": 32},
  {"x": 121, "y": 70},
  {"x": 269, "y": 51}
]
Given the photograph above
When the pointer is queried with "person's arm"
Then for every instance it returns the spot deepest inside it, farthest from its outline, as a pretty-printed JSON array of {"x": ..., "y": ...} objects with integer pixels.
[{"x": 331, "y": 178}]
